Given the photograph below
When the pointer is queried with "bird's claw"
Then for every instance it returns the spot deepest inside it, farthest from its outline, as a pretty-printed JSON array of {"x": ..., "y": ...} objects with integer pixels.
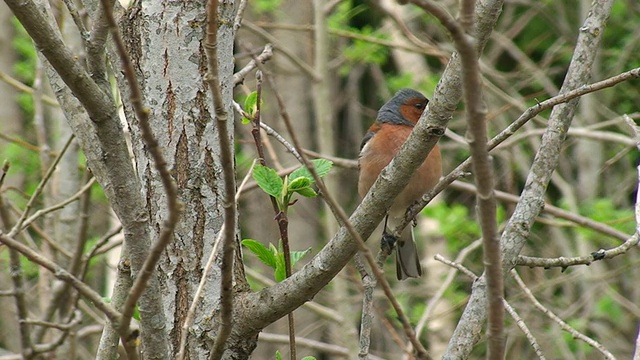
[{"x": 387, "y": 243}]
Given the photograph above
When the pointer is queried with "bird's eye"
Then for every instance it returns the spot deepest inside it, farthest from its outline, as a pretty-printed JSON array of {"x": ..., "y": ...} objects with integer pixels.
[{"x": 419, "y": 105}]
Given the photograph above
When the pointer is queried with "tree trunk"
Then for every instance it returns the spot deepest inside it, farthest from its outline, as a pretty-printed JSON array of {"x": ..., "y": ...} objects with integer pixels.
[{"x": 166, "y": 45}]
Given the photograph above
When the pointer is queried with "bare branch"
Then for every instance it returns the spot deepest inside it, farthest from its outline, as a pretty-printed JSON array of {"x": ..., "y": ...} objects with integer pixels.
[
  {"x": 553, "y": 210},
  {"x": 63, "y": 275},
  {"x": 566, "y": 327},
  {"x": 310, "y": 344},
  {"x": 229, "y": 205},
  {"x": 18, "y": 226},
  {"x": 59, "y": 205},
  {"x": 26, "y": 89},
  {"x": 565, "y": 262},
  {"x": 525, "y": 329},
  {"x": 437, "y": 297},
  {"x": 237, "y": 22},
  {"x": 306, "y": 68},
  {"x": 482, "y": 167},
  {"x": 267, "y": 53}
]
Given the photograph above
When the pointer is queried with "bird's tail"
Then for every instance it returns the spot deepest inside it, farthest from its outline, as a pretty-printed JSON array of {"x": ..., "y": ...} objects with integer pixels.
[{"x": 407, "y": 259}]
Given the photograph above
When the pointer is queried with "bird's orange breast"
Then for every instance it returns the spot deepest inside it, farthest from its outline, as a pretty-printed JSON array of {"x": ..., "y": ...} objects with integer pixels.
[{"x": 378, "y": 152}]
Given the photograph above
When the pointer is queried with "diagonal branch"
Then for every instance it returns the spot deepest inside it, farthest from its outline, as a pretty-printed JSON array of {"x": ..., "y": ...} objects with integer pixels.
[{"x": 63, "y": 275}]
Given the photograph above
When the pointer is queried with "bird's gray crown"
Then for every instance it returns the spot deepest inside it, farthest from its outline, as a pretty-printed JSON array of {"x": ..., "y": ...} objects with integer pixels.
[{"x": 390, "y": 112}]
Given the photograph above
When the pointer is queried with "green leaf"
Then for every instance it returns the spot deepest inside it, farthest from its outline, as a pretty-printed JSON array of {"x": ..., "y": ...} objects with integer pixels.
[
  {"x": 308, "y": 358},
  {"x": 299, "y": 183},
  {"x": 262, "y": 252},
  {"x": 322, "y": 168},
  {"x": 278, "y": 355},
  {"x": 268, "y": 180},
  {"x": 297, "y": 255},
  {"x": 251, "y": 106},
  {"x": 307, "y": 192}
]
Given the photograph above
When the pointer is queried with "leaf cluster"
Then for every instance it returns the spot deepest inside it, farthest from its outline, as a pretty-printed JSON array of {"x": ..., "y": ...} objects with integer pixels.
[{"x": 299, "y": 181}]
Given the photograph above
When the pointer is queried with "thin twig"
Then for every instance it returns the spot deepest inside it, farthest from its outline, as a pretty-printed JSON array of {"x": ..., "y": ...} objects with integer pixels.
[
  {"x": 228, "y": 203},
  {"x": 329, "y": 349},
  {"x": 59, "y": 205},
  {"x": 237, "y": 21},
  {"x": 76, "y": 318},
  {"x": 77, "y": 20},
  {"x": 429, "y": 50},
  {"x": 306, "y": 68},
  {"x": 63, "y": 275},
  {"x": 456, "y": 265},
  {"x": 553, "y": 210},
  {"x": 566, "y": 327},
  {"x": 18, "y": 226},
  {"x": 439, "y": 294},
  {"x": 525, "y": 329},
  {"x": 267, "y": 53},
  {"x": 26, "y": 89}
]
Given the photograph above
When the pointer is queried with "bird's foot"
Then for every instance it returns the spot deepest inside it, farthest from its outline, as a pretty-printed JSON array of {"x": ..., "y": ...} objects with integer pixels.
[{"x": 387, "y": 243}]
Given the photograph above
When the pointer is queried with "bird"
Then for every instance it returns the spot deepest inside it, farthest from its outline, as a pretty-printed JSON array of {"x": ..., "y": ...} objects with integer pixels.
[{"x": 395, "y": 121}]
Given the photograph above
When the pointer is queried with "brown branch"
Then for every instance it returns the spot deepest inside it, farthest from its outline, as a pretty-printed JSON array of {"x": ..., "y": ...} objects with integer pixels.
[
  {"x": 482, "y": 167},
  {"x": 228, "y": 202},
  {"x": 63, "y": 275},
  {"x": 280, "y": 214},
  {"x": 27, "y": 90}
]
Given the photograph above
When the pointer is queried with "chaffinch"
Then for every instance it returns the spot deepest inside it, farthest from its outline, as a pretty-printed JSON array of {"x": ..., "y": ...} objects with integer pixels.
[{"x": 382, "y": 142}]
